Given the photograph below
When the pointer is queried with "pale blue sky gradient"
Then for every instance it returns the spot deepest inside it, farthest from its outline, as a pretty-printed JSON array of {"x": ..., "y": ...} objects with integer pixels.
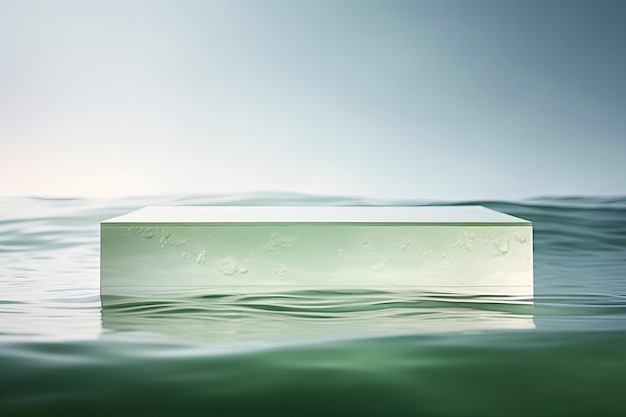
[{"x": 389, "y": 99}]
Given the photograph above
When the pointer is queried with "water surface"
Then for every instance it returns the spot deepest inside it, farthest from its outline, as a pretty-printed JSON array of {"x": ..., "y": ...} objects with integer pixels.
[{"x": 310, "y": 352}]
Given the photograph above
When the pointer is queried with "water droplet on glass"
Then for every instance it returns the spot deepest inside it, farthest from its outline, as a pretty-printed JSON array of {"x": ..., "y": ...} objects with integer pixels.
[
  {"x": 278, "y": 241},
  {"x": 502, "y": 247},
  {"x": 279, "y": 271},
  {"x": 244, "y": 267},
  {"x": 227, "y": 266},
  {"x": 201, "y": 259}
]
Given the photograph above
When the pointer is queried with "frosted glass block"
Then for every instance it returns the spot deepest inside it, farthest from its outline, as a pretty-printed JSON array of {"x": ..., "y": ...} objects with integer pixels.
[{"x": 449, "y": 249}]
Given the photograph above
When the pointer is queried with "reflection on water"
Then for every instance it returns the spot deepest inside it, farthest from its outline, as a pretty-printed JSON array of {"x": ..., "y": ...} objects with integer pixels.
[{"x": 302, "y": 316}]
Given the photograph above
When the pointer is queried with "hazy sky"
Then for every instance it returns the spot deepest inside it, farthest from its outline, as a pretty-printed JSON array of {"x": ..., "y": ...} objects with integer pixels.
[{"x": 435, "y": 99}]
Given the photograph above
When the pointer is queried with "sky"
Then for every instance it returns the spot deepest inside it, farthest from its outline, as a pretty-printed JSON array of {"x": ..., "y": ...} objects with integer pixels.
[{"x": 443, "y": 99}]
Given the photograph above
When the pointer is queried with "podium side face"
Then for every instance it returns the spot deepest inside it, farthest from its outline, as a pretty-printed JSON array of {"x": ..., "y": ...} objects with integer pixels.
[{"x": 145, "y": 254}]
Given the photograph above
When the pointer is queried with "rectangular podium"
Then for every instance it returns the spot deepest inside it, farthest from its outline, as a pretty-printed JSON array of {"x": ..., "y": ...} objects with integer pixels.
[{"x": 468, "y": 249}]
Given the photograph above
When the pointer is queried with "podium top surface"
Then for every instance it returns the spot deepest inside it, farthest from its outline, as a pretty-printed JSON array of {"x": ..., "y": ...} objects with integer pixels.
[{"x": 417, "y": 215}]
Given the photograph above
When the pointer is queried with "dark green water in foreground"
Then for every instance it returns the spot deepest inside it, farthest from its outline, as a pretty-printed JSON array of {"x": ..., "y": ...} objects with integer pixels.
[{"x": 317, "y": 353}]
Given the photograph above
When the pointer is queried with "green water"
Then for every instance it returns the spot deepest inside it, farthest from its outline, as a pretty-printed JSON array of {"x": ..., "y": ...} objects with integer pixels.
[{"x": 361, "y": 353}]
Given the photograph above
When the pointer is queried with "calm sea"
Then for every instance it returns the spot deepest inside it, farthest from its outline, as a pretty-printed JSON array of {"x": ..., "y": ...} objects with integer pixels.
[{"x": 310, "y": 353}]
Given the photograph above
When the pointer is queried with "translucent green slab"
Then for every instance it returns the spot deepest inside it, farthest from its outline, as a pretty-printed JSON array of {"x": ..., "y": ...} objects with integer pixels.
[{"x": 447, "y": 249}]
